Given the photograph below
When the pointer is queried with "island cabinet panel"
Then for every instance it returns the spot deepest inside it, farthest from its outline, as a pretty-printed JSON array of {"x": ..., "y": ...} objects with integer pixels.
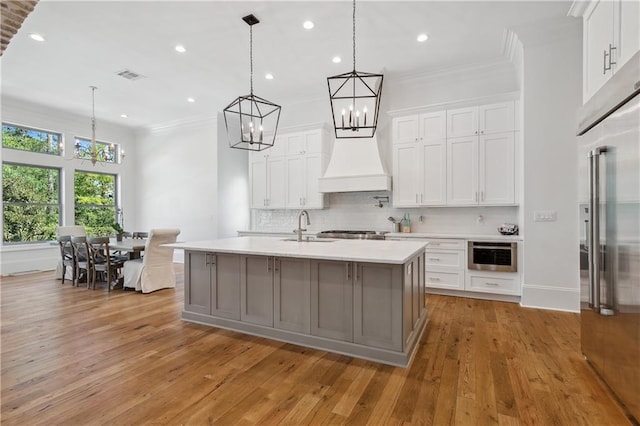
[
  {"x": 332, "y": 299},
  {"x": 197, "y": 283},
  {"x": 292, "y": 294},
  {"x": 413, "y": 297},
  {"x": 225, "y": 285},
  {"x": 256, "y": 289},
  {"x": 377, "y": 317}
]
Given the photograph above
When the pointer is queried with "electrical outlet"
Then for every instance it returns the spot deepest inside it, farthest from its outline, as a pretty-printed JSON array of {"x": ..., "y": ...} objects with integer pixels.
[{"x": 544, "y": 216}]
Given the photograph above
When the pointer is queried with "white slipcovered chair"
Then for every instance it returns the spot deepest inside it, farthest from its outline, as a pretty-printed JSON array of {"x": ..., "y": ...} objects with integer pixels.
[
  {"x": 155, "y": 271},
  {"x": 72, "y": 231}
]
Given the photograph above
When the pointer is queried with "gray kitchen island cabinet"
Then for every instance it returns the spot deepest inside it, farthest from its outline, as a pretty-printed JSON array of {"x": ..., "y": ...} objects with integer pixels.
[{"x": 353, "y": 302}]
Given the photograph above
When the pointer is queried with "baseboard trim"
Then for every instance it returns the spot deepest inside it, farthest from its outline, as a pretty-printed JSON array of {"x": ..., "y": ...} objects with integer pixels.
[
  {"x": 474, "y": 295},
  {"x": 552, "y": 298}
]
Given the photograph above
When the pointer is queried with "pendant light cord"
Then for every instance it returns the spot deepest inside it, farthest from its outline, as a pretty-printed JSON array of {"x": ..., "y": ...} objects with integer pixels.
[{"x": 354, "y": 35}]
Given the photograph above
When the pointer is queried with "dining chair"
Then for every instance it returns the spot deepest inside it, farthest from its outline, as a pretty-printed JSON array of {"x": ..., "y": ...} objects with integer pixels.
[
  {"x": 102, "y": 262},
  {"x": 67, "y": 257},
  {"x": 140, "y": 235},
  {"x": 74, "y": 231},
  {"x": 81, "y": 259},
  {"x": 155, "y": 271}
]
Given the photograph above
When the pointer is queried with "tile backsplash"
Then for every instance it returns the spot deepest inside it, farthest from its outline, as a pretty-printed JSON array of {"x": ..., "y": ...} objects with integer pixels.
[{"x": 360, "y": 211}]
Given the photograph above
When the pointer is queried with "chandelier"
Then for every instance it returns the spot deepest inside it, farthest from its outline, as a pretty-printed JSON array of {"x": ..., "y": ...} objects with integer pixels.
[
  {"x": 92, "y": 150},
  {"x": 250, "y": 120},
  {"x": 355, "y": 99}
]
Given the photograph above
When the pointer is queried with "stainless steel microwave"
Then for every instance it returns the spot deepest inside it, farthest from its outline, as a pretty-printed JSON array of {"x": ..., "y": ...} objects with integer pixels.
[{"x": 492, "y": 256}]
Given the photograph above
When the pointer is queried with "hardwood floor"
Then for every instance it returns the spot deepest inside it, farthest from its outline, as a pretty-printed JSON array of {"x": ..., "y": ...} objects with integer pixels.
[{"x": 76, "y": 356}]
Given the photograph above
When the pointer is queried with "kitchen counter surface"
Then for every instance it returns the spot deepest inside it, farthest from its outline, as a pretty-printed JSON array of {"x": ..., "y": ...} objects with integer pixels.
[
  {"x": 474, "y": 237},
  {"x": 375, "y": 251}
]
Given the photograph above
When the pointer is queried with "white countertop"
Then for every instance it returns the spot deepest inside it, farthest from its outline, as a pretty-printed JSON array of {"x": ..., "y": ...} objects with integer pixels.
[
  {"x": 472, "y": 237},
  {"x": 376, "y": 251}
]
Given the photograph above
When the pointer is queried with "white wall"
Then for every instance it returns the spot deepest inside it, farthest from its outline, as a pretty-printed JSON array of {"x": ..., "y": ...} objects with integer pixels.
[
  {"x": 31, "y": 257},
  {"x": 177, "y": 179},
  {"x": 552, "y": 95}
]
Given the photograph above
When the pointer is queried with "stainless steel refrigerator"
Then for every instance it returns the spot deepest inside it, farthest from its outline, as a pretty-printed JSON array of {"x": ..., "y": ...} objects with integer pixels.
[{"x": 609, "y": 202}]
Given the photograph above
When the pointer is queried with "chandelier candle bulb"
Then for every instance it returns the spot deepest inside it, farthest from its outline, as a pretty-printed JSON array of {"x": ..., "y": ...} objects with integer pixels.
[
  {"x": 364, "y": 112},
  {"x": 357, "y": 118},
  {"x": 343, "y": 112}
]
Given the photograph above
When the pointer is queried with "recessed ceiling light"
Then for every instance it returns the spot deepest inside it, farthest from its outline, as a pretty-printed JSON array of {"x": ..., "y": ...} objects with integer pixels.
[
  {"x": 422, "y": 37},
  {"x": 191, "y": 100},
  {"x": 180, "y": 48},
  {"x": 307, "y": 25},
  {"x": 124, "y": 115},
  {"x": 36, "y": 37},
  {"x": 269, "y": 76},
  {"x": 337, "y": 59}
]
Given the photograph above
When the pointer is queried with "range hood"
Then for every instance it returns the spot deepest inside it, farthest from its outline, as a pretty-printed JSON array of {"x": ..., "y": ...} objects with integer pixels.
[{"x": 355, "y": 166}]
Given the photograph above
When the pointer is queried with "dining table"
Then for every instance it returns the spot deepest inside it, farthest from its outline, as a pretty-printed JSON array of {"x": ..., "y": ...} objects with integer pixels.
[{"x": 133, "y": 246}]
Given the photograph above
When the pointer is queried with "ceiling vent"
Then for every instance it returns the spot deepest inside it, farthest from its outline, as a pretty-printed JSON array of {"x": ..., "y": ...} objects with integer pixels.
[{"x": 129, "y": 75}]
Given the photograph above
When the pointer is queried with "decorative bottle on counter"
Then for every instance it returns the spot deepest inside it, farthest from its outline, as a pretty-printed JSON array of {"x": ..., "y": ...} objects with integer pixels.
[{"x": 406, "y": 223}]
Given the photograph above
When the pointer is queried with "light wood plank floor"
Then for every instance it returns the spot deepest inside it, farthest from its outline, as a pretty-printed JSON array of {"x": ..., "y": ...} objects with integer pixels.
[{"x": 75, "y": 356}]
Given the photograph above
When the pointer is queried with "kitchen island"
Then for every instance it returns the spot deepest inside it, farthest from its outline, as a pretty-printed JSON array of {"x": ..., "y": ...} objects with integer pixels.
[{"x": 358, "y": 298}]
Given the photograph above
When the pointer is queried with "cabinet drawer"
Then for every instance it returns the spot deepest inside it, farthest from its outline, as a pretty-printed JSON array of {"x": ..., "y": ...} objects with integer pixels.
[
  {"x": 450, "y": 259},
  {"x": 493, "y": 284},
  {"x": 450, "y": 280},
  {"x": 445, "y": 244}
]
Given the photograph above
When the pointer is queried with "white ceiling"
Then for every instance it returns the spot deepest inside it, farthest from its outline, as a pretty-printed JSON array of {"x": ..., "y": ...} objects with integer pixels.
[{"x": 87, "y": 42}]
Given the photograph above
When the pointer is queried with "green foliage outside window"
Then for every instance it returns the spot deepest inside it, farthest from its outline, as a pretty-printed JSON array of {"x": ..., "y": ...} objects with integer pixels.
[
  {"x": 95, "y": 202},
  {"x": 30, "y": 201},
  {"x": 30, "y": 140}
]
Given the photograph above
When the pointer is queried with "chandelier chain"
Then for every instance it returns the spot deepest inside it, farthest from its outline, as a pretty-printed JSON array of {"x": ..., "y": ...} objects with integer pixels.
[
  {"x": 251, "y": 55},
  {"x": 354, "y": 35}
]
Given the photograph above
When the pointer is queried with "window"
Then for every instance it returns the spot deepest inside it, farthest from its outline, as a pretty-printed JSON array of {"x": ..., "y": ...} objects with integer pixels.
[
  {"x": 105, "y": 152},
  {"x": 95, "y": 202},
  {"x": 30, "y": 203},
  {"x": 26, "y": 139}
]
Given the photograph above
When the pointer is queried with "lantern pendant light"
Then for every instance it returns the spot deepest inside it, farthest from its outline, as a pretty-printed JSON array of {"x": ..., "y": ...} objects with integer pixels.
[
  {"x": 250, "y": 120},
  {"x": 355, "y": 99}
]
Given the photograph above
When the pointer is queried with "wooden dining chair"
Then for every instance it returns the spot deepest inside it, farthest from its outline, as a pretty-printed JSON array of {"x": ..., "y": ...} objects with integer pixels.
[
  {"x": 140, "y": 235},
  {"x": 102, "y": 263},
  {"x": 73, "y": 231},
  {"x": 81, "y": 259},
  {"x": 67, "y": 257}
]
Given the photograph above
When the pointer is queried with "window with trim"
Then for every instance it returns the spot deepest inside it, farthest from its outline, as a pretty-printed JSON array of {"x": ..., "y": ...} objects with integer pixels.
[
  {"x": 95, "y": 202},
  {"x": 105, "y": 152},
  {"x": 30, "y": 203},
  {"x": 33, "y": 140}
]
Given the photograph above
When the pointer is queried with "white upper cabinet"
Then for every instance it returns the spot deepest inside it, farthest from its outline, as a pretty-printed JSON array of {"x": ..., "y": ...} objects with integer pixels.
[
  {"x": 462, "y": 170},
  {"x": 433, "y": 125},
  {"x": 406, "y": 175},
  {"x": 478, "y": 120},
  {"x": 406, "y": 129},
  {"x": 496, "y": 163},
  {"x": 611, "y": 36}
]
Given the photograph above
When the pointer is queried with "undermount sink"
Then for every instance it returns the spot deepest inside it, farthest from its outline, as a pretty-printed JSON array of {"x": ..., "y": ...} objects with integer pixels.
[{"x": 308, "y": 240}]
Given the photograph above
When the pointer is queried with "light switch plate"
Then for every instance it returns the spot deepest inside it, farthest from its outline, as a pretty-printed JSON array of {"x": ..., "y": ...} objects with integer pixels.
[{"x": 544, "y": 216}]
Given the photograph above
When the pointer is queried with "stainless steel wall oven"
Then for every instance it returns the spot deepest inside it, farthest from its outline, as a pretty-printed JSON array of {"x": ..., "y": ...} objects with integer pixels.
[{"x": 492, "y": 256}]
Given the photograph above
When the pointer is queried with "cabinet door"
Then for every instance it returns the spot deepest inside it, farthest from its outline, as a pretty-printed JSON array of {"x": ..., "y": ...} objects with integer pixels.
[
  {"x": 197, "y": 282},
  {"x": 312, "y": 198},
  {"x": 433, "y": 155},
  {"x": 294, "y": 181},
  {"x": 313, "y": 142},
  {"x": 225, "y": 285},
  {"x": 258, "y": 182},
  {"x": 332, "y": 299},
  {"x": 405, "y": 175},
  {"x": 433, "y": 126},
  {"x": 597, "y": 34},
  {"x": 496, "y": 169},
  {"x": 291, "y": 292},
  {"x": 627, "y": 26},
  {"x": 405, "y": 129},
  {"x": 275, "y": 182},
  {"x": 496, "y": 118},
  {"x": 293, "y": 142},
  {"x": 462, "y": 122},
  {"x": 377, "y": 305},
  {"x": 256, "y": 290},
  {"x": 462, "y": 170}
]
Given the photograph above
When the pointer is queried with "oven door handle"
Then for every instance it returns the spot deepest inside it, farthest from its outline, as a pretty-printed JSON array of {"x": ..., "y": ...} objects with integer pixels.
[{"x": 510, "y": 247}]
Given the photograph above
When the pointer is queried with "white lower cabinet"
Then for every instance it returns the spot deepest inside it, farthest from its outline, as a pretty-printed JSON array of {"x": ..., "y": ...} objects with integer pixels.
[{"x": 491, "y": 282}]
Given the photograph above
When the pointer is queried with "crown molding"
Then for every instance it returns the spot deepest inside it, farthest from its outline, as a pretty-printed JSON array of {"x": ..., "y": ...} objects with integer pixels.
[
  {"x": 193, "y": 121},
  {"x": 510, "y": 42},
  {"x": 452, "y": 74}
]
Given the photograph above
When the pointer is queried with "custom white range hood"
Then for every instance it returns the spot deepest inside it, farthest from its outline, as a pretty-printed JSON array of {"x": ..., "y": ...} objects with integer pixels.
[{"x": 355, "y": 166}]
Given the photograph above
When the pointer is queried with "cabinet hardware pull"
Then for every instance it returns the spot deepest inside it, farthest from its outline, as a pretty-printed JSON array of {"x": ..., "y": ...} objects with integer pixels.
[
  {"x": 611, "y": 55},
  {"x": 268, "y": 264},
  {"x": 421, "y": 199},
  {"x": 276, "y": 264},
  {"x": 347, "y": 268},
  {"x": 434, "y": 278},
  {"x": 435, "y": 244},
  {"x": 476, "y": 196},
  {"x": 481, "y": 195},
  {"x": 493, "y": 284},
  {"x": 416, "y": 198},
  {"x": 434, "y": 258},
  {"x": 476, "y": 132},
  {"x": 604, "y": 63}
]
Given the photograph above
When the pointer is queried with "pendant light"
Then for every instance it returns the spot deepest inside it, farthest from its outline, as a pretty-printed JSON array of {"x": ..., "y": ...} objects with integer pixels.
[
  {"x": 92, "y": 152},
  {"x": 250, "y": 120},
  {"x": 355, "y": 99}
]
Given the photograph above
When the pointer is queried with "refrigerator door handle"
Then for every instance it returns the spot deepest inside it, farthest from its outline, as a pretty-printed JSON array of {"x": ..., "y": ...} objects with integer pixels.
[{"x": 595, "y": 265}]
